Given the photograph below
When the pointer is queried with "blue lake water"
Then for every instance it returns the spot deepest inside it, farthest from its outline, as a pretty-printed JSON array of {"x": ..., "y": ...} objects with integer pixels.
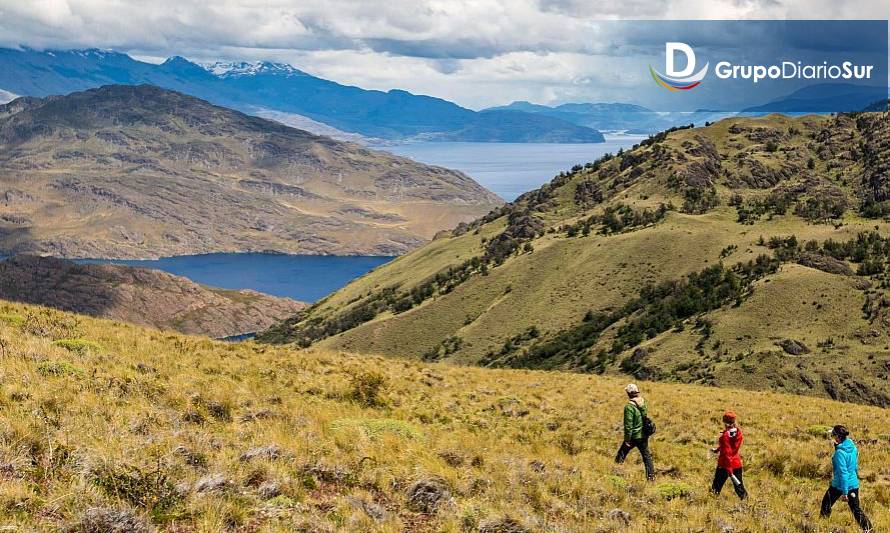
[
  {"x": 510, "y": 169},
  {"x": 302, "y": 277}
]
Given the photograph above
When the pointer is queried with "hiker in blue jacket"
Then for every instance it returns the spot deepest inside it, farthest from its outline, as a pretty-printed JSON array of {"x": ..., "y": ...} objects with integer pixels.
[{"x": 845, "y": 481}]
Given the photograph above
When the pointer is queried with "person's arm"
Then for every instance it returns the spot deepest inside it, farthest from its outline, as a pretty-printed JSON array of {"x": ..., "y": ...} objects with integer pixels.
[
  {"x": 629, "y": 412},
  {"x": 736, "y": 444},
  {"x": 724, "y": 447},
  {"x": 840, "y": 471}
]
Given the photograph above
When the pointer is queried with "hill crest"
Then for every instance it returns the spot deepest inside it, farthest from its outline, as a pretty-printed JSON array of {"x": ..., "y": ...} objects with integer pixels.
[
  {"x": 665, "y": 261},
  {"x": 140, "y": 171},
  {"x": 140, "y": 296}
]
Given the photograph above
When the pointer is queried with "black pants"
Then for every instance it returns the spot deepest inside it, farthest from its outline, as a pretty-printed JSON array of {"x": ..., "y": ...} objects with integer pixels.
[
  {"x": 720, "y": 477},
  {"x": 643, "y": 446},
  {"x": 832, "y": 495}
]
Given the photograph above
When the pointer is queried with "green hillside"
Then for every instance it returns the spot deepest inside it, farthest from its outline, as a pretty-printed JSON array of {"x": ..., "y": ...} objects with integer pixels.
[
  {"x": 110, "y": 427},
  {"x": 750, "y": 252}
]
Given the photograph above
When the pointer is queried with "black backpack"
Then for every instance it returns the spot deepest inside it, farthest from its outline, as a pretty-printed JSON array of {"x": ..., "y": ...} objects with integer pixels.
[{"x": 648, "y": 425}]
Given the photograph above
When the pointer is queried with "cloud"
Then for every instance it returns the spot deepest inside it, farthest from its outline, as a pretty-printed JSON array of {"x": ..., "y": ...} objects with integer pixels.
[{"x": 477, "y": 52}]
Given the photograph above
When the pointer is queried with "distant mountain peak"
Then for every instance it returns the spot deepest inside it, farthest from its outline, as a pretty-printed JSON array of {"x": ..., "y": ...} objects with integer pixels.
[
  {"x": 89, "y": 53},
  {"x": 250, "y": 68},
  {"x": 176, "y": 60}
]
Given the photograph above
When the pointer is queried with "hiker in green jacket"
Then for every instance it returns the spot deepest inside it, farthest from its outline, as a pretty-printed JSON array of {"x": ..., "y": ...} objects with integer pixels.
[{"x": 637, "y": 429}]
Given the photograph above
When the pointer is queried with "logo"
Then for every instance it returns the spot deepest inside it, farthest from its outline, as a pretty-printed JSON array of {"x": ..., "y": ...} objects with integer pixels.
[{"x": 675, "y": 80}]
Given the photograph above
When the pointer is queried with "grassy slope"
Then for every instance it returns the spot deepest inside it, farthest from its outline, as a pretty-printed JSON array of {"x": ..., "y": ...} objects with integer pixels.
[
  {"x": 70, "y": 417},
  {"x": 563, "y": 278}
]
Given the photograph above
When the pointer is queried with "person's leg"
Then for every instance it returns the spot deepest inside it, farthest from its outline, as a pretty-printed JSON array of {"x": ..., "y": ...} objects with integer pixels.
[
  {"x": 856, "y": 509},
  {"x": 643, "y": 445},
  {"x": 740, "y": 488},
  {"x": 831, "y": 496},
  {"x": 720, "y": 476},
  {"x": 622, "y": 452}
]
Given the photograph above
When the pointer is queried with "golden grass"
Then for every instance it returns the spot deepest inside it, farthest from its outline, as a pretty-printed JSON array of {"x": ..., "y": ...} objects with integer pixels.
[{"x": 353, "y": 434}]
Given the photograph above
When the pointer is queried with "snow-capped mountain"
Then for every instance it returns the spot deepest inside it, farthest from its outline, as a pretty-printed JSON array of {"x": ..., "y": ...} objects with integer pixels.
[{"x": 252, "y": 68}]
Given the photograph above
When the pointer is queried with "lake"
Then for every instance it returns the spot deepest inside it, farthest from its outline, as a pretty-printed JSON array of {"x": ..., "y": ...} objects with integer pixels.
[
  {"x": 302, "y": 277},
  {"x": 510, "y": 169}
]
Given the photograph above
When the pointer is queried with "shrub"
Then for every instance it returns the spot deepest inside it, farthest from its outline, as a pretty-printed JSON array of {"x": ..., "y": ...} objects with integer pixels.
[
  {"x": 220, "y": 410},
  {"x": 78, "y": 346},
  {"x": 110, "y": 519},
  {"x": 12, "y": 319},
  {"x": 52, "y": 325},
  {"x": 697, "y": 201},
  {"x": 673, "y": 490},
  {"x": 151, "y": 490},
  {"x": 806, "y": 468},
  {"x": 818, "y": 431},
  {"x": 507, "y": 524},
  {"x": 374, "y": 427},
  {"x": 618, "y": 482},
  {"x": 315, "y": 473},
  {"x": 367, "y": 387},
  {"x": 58, "y": 368},
  {"x": 428, "y": 495},
  {"x": 281, "y": 501},
  {"x": 569, "y": 443},
  {"x": 775, "y": 463}
]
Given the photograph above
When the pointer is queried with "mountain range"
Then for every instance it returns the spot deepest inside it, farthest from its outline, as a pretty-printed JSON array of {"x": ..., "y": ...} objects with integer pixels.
[
  {"x": 623, "y": 117},
  {"x": 749, "y": 253},
  {"x": 822, "y": 98},
  {"x": 265, "y": 87},
  {"x": 137, "y": 171}
]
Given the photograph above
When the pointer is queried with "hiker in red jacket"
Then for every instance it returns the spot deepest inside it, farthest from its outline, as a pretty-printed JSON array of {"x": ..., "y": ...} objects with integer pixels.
[{"x": 729, "y": 462}]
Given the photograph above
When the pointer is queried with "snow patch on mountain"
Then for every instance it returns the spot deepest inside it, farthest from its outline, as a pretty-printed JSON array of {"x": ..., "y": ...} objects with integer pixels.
[{"x": 250, "y": 68}]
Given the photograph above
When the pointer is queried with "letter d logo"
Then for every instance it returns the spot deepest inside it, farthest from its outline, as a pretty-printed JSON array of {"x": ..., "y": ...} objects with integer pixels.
[
  {"x": 678, "y": 80},
  {"x": 670, "y": 50}
]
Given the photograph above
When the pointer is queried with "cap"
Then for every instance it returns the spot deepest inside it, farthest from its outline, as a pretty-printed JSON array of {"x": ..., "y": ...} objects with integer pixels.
[{"x": 840, "y": 432}]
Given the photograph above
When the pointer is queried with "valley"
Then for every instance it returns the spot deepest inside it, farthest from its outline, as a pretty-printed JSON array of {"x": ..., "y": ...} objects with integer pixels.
[{"x": 444, "y": 267}]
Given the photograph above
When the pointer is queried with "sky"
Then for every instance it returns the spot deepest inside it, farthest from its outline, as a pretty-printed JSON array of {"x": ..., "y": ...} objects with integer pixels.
[{"x": 478, "y": 53}]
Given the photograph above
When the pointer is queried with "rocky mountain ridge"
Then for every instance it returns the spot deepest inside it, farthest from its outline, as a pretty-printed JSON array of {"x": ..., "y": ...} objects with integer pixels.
[{"x": 140, "y": 172}]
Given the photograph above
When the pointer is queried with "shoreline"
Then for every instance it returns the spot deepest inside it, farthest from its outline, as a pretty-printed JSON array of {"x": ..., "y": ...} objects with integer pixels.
[{"x": 80, "y": 259}]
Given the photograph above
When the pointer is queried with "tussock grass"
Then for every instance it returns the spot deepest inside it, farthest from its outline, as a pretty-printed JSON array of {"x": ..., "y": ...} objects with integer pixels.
[{"x": 188, "y": 434}]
